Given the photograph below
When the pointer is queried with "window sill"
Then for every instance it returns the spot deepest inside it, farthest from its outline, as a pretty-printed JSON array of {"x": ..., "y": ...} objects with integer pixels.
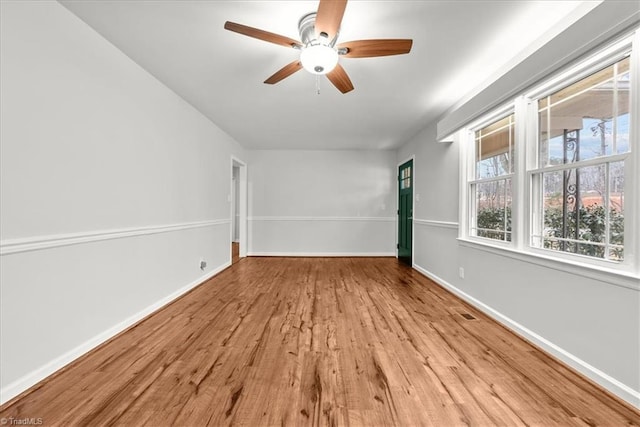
[{"x": 621, "y": 278}]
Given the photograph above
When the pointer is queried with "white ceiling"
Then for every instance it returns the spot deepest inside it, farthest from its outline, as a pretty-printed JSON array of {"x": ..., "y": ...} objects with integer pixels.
[{"x": 458, "y": 46}]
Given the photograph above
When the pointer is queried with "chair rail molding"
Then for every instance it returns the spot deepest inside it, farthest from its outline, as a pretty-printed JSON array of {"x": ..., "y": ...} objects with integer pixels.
[
  {"x": 321, "y": 218},
  {"x": 14, "y": 246},
  {"x": 433, "y": 223}
]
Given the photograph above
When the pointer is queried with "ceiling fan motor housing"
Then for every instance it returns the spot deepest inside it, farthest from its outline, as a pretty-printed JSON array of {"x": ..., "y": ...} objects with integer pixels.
[
  {"x": 307, "y": 30},
  {"x": 318, "y": 54}
]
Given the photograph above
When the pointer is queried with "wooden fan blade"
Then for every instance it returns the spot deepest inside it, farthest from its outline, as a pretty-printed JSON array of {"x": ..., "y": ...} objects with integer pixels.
[
  {"x": 284, "y": 72},
  {"x": 261, "y": 34},
  {"x": 376, "y": 47},
  {"x": 338, "y": 76},
  {"x": 329, "y": 17}
]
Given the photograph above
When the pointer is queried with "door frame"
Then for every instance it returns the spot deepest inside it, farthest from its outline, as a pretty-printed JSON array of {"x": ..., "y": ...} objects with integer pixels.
[
  {"x": 242, "y": 196},
  {"x": 413, "y": 206}
]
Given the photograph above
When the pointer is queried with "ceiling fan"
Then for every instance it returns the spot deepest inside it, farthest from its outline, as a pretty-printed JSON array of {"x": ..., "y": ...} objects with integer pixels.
[{"x": 318, "y": 50}]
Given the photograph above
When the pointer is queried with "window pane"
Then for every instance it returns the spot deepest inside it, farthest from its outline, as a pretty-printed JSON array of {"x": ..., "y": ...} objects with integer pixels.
[
  {"x": 492, "y": 167},
  {"x": 582, "y": 215},
  {"x": 493, "y": 210},
  {"x": 494, "y": 148},
  {"x": 616, "y": 211},
  {"x": 587, "y": 119}
]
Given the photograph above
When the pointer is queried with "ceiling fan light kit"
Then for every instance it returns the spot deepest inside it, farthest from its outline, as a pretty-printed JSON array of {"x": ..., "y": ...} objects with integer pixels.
[
  {"x": 319, "y": 55},
  {"x": 319, "y": 59}
]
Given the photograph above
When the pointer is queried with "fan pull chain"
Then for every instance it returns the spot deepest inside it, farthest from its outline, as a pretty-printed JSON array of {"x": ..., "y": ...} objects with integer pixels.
[{"x": 317, "y": 84}]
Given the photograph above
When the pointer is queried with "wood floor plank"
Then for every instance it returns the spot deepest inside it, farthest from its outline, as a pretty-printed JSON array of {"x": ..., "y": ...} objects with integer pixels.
[{"x": 319, "y": 342}]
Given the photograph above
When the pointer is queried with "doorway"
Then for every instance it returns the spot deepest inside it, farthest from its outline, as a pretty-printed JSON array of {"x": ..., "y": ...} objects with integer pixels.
[
  {"x": 235, "y": 216},
  {"x": 238, "y": 201},
  {"x": 405, "y": 212}
]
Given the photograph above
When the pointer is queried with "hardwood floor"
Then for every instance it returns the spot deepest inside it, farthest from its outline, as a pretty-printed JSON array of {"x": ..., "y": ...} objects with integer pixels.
[{"x": 304, "y": 341}]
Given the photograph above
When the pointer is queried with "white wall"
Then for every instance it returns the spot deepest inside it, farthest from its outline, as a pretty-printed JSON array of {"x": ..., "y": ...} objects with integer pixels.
[
  {"x": 112, "y": 190},
  {"x": 322, "y": 202},
  {"x": 592, "y": 325}
]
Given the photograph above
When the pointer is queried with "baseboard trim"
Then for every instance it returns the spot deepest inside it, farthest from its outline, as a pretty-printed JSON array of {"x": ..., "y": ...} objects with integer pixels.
[
  {"x": 614, "y": 386},
  {"x": 24, "y": 383},
  {"x": 323, "y": 254}
]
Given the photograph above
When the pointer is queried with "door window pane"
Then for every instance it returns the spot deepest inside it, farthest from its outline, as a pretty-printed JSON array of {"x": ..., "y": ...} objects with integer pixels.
[{"x": 405, "y": 178}]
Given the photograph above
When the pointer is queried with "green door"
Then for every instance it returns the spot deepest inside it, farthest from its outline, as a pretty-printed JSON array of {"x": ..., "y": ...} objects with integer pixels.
[{"x": 405, "y": 211}]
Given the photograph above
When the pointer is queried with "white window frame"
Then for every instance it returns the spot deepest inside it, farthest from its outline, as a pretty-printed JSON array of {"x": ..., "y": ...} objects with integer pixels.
[
  {"x": 624, "y": 273},
  {"x": 473, "y": 180}
]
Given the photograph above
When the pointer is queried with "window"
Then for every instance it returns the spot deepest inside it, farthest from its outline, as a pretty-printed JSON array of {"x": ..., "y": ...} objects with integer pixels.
[
  {"x": 405, "y": 178},
  {"x": 583, "y": 145},
  {"x": 491, "y": 188},
  {"x": 554, "y": 173}
]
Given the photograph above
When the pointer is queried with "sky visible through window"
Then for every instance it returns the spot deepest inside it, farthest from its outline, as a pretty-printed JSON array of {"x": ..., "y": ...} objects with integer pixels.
[{"x": 591, "y": 140}]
